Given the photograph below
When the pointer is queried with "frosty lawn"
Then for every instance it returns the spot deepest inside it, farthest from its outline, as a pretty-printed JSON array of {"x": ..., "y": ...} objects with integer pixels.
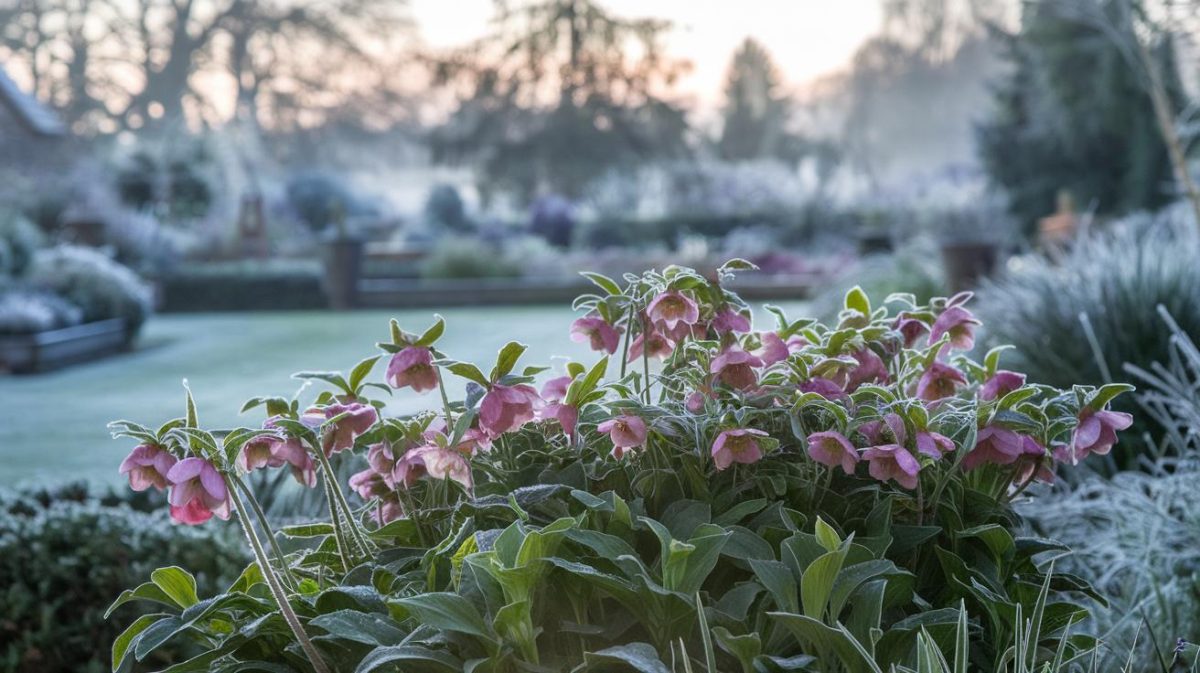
[{"x": 225, "y": 357}]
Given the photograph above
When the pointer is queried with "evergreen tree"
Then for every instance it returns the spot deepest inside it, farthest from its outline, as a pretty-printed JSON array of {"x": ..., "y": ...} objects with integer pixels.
[
  {"x": 559, "y": 93},
  {"x": 755, "y": 111},
  {"x": 1074, "y": 115}
]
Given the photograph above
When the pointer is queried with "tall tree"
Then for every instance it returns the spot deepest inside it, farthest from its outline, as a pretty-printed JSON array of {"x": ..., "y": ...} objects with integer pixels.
[
  {"x": 558, "y": 93},
  {"x": 755, "y": 109},
  {"x": 1073, "y": 115}
]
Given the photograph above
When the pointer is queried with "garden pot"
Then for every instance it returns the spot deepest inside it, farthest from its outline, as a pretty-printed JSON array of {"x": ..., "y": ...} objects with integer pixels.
[
  {"x": 966, "y": 264},
  {"x": 41, "y": 351},
  {"x": 343, "y": 266}
]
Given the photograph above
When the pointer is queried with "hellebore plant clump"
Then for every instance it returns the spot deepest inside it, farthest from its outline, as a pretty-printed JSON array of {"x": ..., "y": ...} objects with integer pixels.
[{"x": 702, "y": 496}]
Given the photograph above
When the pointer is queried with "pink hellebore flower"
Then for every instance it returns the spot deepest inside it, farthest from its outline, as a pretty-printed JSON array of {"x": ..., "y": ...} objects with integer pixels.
[
  {"x": 506, "y": 408},
  {"x": 275, "y": 451},
  {"x": 959, "y": 323},
  {"x": 655, "y": 344},
  {"x": 832, "y": 449},
  {"x": 940, "y": 380},
  {"x": 910, "y": 328},
  {"x": 873, "y": 431},
  {"x": 892, "y": 461},
  {"x": 408, "y": 469},
  {"x": 413, "y": 367},
  {"x": 1097, "y": 432},
  {"x": 370, "y": 484},
  {"x": 728, "y": 320},
  {"x": 442, "y": 464},
  {"x": 555, "y": 390},
  {"x": 598, "y": 332},
  {"x": 626, "y": 432},
  {"x": 147, "y": 465},
  {"x": 357, "y": 420},
  {"x": 671, "y": 308},
  {"x": 870, "y": 369},
  {"x": 735, "y": 368},
  {"x": 933, "y": 444},
  {"x": 684, "y": 330},
  {"x": 388, "y": 510},
  {"x": 566, "y": 415},
  {"x": 774, "y": 349},
  {"x": 823, "y": 387},
  {"x": 1000, "y": 384},
  {"x": 1000, "y": 446},
  {"x": 198, "y": 492},
  {"x": 739, "y": 445}
]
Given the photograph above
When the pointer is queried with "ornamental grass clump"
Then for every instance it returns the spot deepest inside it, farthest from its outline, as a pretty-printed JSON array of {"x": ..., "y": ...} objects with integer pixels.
[{"x": 702, "y": 495}]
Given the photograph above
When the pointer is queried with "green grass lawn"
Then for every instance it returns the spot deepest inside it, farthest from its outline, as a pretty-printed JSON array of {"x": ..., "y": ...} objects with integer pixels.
[{"x": 52, "y": 426}]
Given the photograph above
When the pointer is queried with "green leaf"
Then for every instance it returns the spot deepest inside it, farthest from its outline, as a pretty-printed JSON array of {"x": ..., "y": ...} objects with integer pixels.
[
  {"x": 818, "y": 580},
  {"x": 603, "y": 282},
  {"x": 145, "y": 592},
  {"x": 641, "y": 657},
  {"x": 412, "y": 657},
  {"x": 448, "y": 611},
  {"x": 1105, "y": 394},
  {"x": 468, "y": 371},
  {"x": 744, "y": 648},
  {"x": 507, "y": 359},
  {"x": 360, "y": 627},
  {"x": 176, "y": 583},
  {"x": 581, "y": 387},
  {"x": 779, "y": 581},
  {"x": 856, "y": 300},
  {"x": 361, "y": 370},
  {"x": 121, "y": 645},
  {"x": 738, "y": 264},
  {"x": 827, "y": 642},
  {"x": 431, "y": 335},
  {"x": 827, "y": 536},
  {"x": 332, "y": 378}
]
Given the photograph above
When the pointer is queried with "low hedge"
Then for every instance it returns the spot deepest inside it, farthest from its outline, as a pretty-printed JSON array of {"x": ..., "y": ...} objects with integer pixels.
[
  {"x": 243, "y": 286},
  {"x": 65, "y": 555}
]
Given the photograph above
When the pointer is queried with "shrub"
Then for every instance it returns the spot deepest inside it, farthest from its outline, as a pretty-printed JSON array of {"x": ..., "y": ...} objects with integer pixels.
[
  {"x": 461, "y": 257},
  {"x": 65, "y": 556},
  {"x": 321, "y": 200},
  {"x": 24, "y": 311},
  {"x": 809, "y": 497},
  {"x": 100, "y": 287},
  {"x": 19, "y": 241},
  {"x": 1082, "y": 318},
  {"x": 258, "y": 285},
  {"x": 444, "y": 209},
  {"x": 553, "y": 218}
]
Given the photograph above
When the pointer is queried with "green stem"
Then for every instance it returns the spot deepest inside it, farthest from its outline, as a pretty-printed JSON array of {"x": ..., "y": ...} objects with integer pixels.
[
  {"x": 338, "y": 535},
  {"x": 285, "y": 608},
  {"x": 645, "y": 364},
  {"x": 284, "y": 568},
  {"x": 356, "y": 533},
  {"x": 445, "y": 403},
  {"x": 628, "y": 335}
]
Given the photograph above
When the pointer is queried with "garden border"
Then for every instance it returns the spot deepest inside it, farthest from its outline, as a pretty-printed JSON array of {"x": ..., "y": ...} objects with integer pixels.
[{"x": 51, "y": 349}]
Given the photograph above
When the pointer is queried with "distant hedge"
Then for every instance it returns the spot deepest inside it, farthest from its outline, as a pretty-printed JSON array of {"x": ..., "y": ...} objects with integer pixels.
[{"x": 243, "y": 286}]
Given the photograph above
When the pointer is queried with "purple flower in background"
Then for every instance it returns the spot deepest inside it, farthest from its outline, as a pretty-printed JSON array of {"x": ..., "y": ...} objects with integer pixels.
[
  {"x": 910, "y": 328},
  {"x": 940, "y": 380},
  {"x": 832, "y": 449},
  {"x": 728, "y": 320},
  {"x": 597, "y": 332},
  {"x": 735, "y": 368},
  {"x": 1000, "y": 384},
  {"x": 933, "y": 444},
  {"x": 959, "y": 323},
  {"x": 671, "y": 308},
  {"x": 198, "y": 492},
  {"x": 739, "y": 445},
  {"x": 654, "y": 343},
  {"x": 413, "y": 367},
  {"x": 1096, "y": 433},
  {"x": 275, "y": 451},
  {"x": 823, "y": 387},
  {"x": 894, "y": 462},
  {"x": 626, "y": 432},
  {"x": 506, "y": 408},
  {"x": 555, "y": 390},
  {"x": 147, "y": 465},
  {"x": 997, "y": 445},
  {"x": 356, "y": 419},
  {"x": 774, "y": 348},
  {"x": 870, "y": 369}
]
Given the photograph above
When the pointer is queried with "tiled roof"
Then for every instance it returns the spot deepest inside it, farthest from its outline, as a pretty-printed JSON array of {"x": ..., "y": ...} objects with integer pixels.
[{"x": 37, "y": 117}]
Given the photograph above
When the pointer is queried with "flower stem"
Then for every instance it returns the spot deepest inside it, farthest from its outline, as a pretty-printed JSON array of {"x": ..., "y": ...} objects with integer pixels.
[
  {"x": 628, "y": 335},
  {"x": 285, "y": 608},
  {"x": 284, "y": 568},
  {"x": 356, "y": 534},
  {"x": 445, "y": 403},
  {"x": 339, "y": 536}
]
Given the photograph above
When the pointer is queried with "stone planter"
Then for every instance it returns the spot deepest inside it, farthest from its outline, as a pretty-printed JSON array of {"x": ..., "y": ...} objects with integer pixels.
[
  {"x": 343, "y": 266},
  {"x": 966, "y": 263},
  {"x": 41, "y": 351}
]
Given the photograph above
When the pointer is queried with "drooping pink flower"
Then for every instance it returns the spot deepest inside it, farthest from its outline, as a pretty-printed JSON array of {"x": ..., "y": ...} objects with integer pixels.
[
  {"x": 959, "y": 323},
  {"x": 1096, "y": 432},
  {"x": 832, "y": 449},
  {"x": 408, "y": 469},
  {"x": 933, "y": 444},
  {"x": 627, "y": 432},
  {"x": 597, "y": 332},
  {"x": 774, "y": 349},
  {"x": 695, "y": 401},
  {"x": 506, "y": 408},
  {"x": 356, "y": 419},
  {"x": 738, "y": 445},
  {"x": 567, "y": 416},
  {"x": 276, "y": 451},
  {"x": 147, "y": 465},
  {"x": 671, "y": 308},
  {"x": 996, "y": 445},
  {"x": 198, "y": 492},
  {"x": 940, "y": 380},
  {"x": 892, "y": 461},
  {"x": 910, "y": 328},
  {"x": 870, "y": 369},
  {"x": 370, "y": 484},
  {"x": 555, "y": 390},
  {"x": 682, "y": 331},
  {"x": 413, "y": 367},
  {"x": 823, "y": 387},
  {"x": 654, "y": 343},
  {"x": 387, "y": 509},
  {"x": 442, "y": 464},
  {"x": 735, "y": 368},
  {"x": 1000, "y": 384},
  {"x": 888, "y": 430},
  {"x": 728, "y": 320}
]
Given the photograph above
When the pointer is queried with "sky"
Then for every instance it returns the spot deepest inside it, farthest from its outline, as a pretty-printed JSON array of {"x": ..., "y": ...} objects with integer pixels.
[{"x": 807, "y": 38}]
